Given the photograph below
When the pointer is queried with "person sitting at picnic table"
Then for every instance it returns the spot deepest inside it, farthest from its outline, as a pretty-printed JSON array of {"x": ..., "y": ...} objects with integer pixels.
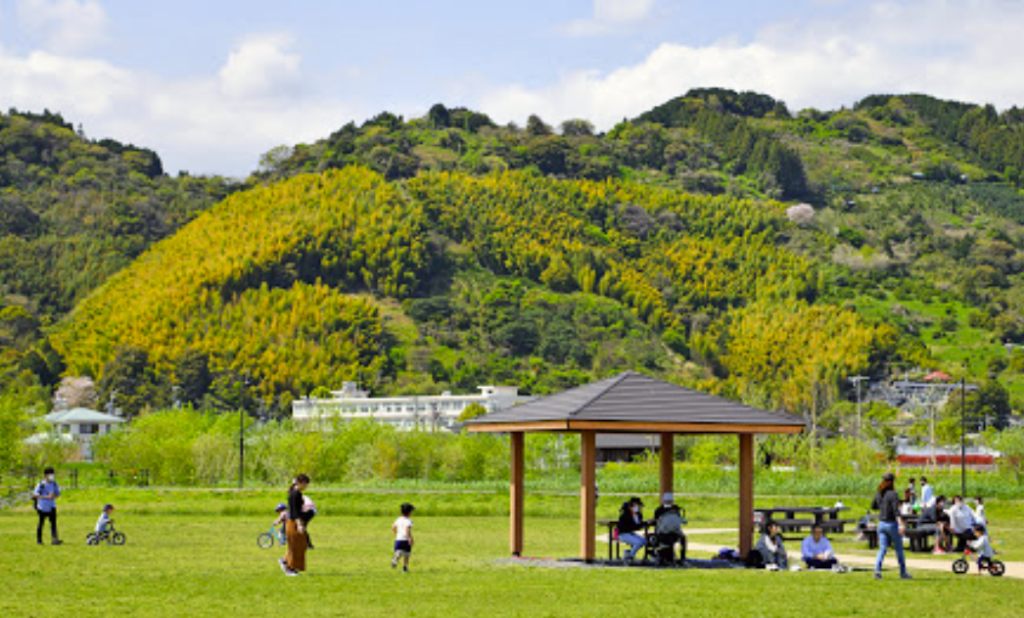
[
  {"x": 817, "y": 550},
  {"x": 770, "y": 548},
  {"x": 933, "y": 519},
  {"x": 669, "y": 528},
  {"x": 910, "y": 495},
  {"x": 961, "y": 523},
  {"x": 631, "y": 521},
  {"x": 927, "y": 493},
  {"x": 979, "y": 512}
]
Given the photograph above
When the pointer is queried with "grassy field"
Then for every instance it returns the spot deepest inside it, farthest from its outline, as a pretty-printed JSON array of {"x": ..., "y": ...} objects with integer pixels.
[{"x": 193, "y": 553}]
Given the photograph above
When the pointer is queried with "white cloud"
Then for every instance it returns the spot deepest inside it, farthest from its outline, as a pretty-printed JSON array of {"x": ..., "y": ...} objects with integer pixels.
[
  {"x": 967, "y": 51},
  {"x": 64, "y": 26},
  {"x": 261, "y": 66},
  {"x": 218, "y": 123},
  {"x": 610, "y": 16}
]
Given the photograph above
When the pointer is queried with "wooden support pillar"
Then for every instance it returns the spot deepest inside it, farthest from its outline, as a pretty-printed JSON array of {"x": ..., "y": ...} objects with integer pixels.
[
  {"x": 516, "y": 495},
  {"x": 746, "y": 493},
  {"x": 588, "y": 519},
  {"x": 666, "y": 480}
]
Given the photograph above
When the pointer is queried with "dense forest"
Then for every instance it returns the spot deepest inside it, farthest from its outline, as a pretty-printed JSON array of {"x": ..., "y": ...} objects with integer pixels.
[{"x": 719, "y": 240}]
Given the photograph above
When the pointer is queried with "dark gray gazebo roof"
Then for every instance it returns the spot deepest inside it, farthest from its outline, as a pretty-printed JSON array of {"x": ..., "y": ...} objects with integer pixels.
[{"x": 631, "y": 402}]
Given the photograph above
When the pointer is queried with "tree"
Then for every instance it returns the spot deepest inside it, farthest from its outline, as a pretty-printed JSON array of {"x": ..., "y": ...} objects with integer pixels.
[
  {"x": 132, "y": 382},
  {"x": 1010, "y": 444},
  {"x": 439, "y": 117},
  {"x": 77, "y": 392},
  {"x": 193, "y": 377},
  {"x": 273, "y": 160},
  {"x": 536, "y": 127},
  {"x": 472, "y": 411},
  {"x": 577, "y": 128}
]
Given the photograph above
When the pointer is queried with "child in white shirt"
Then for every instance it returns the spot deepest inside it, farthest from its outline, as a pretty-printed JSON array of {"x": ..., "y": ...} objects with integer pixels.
[{"x": 403, "y": 537}]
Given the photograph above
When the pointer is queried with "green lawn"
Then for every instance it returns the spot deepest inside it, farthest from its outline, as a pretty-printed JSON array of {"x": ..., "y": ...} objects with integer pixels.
[{"x": 193, "y": 553}]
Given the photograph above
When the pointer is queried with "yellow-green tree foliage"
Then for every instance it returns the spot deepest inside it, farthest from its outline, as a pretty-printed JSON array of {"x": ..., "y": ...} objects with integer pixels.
[
  {"x": 259, "y": 282},
  {"x": 792, "y": 349},
  {"x": 255, "y": 283},
  {"x": 699, "y": 252}
]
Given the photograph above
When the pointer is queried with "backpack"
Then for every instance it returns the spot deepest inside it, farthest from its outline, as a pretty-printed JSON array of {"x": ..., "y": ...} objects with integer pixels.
[
  {"x": 670, "y": 522},
  {"x": 38, "y": 491},
  {"x": 755, "y": 560}
]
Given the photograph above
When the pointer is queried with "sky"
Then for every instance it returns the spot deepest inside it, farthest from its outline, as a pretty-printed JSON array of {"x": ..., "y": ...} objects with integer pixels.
[{"x": 212, "y": 85}]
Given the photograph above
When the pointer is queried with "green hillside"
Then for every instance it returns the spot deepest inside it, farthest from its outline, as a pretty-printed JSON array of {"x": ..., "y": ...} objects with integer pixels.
[
  {"x": 444, "y": 252},
  {"x": 511, "y": 277}
]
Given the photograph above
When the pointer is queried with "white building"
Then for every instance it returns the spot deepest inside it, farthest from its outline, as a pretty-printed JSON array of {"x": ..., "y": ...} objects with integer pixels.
[
  {"x": 431, "y": 412},
  {"x": 80, "y": 425}
]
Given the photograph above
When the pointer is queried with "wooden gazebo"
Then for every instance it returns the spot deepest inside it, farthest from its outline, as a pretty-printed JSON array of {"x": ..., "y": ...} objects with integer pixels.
[{"x": 632, "y": 403}]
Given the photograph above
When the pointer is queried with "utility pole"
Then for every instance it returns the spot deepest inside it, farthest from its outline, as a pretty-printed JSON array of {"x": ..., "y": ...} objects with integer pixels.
[
  {"x": 856, "y": 382},
  {"x": 963, "y": 438},
  {"x": 241, "y": 447}
]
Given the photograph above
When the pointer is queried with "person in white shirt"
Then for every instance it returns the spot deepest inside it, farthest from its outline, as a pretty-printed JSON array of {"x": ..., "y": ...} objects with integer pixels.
[
  {"x": 927, "y": 493},
  {"x": 403, "y": 536},
  {"x": 961, "y": 523},
  {"x": 982, "y": 546},
  {"x": 817, "y": 551},
  {"x": 979, "y": 511}
]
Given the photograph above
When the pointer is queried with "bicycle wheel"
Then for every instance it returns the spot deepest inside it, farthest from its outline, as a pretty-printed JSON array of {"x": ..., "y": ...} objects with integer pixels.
[
  {"x": 960, "y": 566},
  {"x": 265, "y": 541},
  {"x": 997, "y": 568},
  {"x": 117, "y": 538},
  {"x": 91, "y": 539}
]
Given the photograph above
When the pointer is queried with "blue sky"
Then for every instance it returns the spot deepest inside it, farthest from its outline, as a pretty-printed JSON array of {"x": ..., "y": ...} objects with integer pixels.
[{"x": 211, "y": 85}]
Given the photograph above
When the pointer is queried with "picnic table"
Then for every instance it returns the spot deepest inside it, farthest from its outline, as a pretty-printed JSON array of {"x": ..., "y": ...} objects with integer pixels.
[
  {"x": 920, "y": 539},
  {"x": 825, "y": 516}
]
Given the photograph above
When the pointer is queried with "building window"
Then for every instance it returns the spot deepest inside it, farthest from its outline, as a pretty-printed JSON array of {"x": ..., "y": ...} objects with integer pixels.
[{"x": 88, "y": 428}]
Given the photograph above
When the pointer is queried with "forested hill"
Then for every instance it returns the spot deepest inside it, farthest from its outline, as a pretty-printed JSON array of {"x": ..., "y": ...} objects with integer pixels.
[
  {"x": 446, "y": 251},
  {"x": 73, "y": 210}
]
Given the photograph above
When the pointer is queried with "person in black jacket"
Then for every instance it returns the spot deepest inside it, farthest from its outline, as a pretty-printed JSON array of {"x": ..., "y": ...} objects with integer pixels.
[
  {"x": 631, "y": 521},
  {"x": 890, "y": 524},
  {"x": 294, "y": 561}
]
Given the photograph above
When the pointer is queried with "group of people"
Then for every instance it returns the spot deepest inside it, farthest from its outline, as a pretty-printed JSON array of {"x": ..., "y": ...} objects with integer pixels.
[
  {"x": 300, "y": 510},
  {"x": 668, "y": 528},
  {"x": 815, "y": 550},
  {"x": 969, "y": 528},
  {"x": 44, "y": 498}
]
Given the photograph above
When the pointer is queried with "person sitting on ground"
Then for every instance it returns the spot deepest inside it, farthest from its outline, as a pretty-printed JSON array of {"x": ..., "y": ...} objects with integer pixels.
[
  {"x": 961, "y": 523},
  {"x": 669, "y": 528},
  {"x": 979, "y": 511},
  {"x": 927, "y": 493},
  {"x": 817, "y": 550},
  {"x": 933, "y": 520},
  {"x": 631, "y": 521},
  {"x": 773, "y": 553},
  {"x": 981, "y": 545}
]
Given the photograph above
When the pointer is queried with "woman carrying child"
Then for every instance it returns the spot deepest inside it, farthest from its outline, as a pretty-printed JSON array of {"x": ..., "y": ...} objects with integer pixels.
[{"x": 294, "y": 561}]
